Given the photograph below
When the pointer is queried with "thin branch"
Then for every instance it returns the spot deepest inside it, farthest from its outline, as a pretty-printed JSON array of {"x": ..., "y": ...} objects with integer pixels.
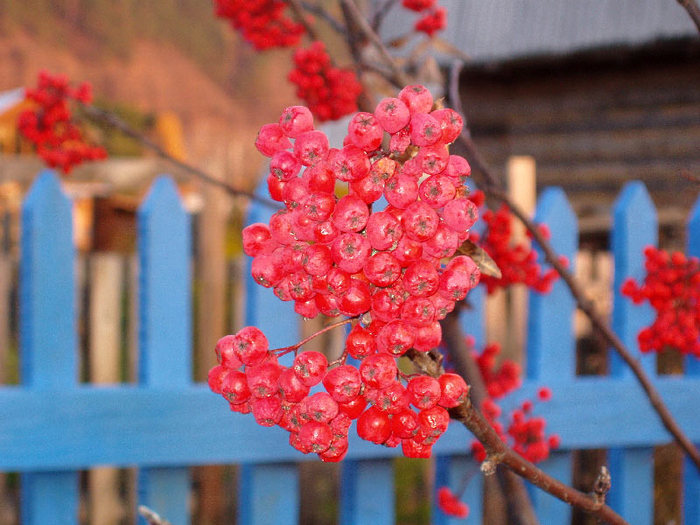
[
  {"x": 297, "y": 9},
  {"x": 380, "y": 13},
  {"x": 693, "y": 10},
  {"x": 325, "y": 15},
  {"x": 492, "y": 188},
  {"x": 114, "y": 121},
  {"x": 499, "y": 453},
  {"x": 512, "y": 486},
  {"x": 359, "y": 20}
]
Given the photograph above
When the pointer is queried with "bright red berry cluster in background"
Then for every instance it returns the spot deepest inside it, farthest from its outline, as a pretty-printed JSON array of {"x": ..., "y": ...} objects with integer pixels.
[
  {"x": 525, "y": 433},
  {"x": 50, "y": 127},
  {"x": 672, "y": 287},
  {"x": 328, "y": 91},
  {"x": 263, "y": 23},
  {"x": 336, "y": 256},
  {"x": 450, "y": 504},
  {"x": 433, "y": 18},
  {"x": 517, "y": 261}
]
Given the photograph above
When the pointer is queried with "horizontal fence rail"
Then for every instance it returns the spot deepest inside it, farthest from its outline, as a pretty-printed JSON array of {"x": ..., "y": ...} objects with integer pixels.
[{"x": 53, "y": 426}]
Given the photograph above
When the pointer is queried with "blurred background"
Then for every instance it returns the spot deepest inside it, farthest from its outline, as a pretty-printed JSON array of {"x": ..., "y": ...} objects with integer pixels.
[{"x": 585, "y": 95}]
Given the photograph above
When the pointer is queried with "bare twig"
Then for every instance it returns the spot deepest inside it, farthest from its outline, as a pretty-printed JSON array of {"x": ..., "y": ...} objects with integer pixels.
[
  {"x": 151, "y": 517},
  {"x": 492, "y": 188},
  {"x": 499, "y": 453},
  {"x": 114, "y": 121},
  {"x": 319, "y": 11},
  {"x": 693, "y": 10},
  {"x": 513, "y": 488},
  {"x": 380, "y": 13},
  {"x": 397, "y": 76},
  {"x": 297, "y": 9}
]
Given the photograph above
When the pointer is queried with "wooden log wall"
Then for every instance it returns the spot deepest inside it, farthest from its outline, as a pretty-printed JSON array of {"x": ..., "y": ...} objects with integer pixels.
[{"x": 594, "y": 121}]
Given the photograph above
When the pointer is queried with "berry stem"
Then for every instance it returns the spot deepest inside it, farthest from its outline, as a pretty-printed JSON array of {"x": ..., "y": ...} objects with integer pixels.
[{"x": 295, "y": 347}]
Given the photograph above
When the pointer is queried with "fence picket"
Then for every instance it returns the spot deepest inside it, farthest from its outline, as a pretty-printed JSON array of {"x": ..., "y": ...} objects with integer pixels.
[
  {"x": 551, "y": 346},
  {"x": 691, "y": 476},
  {"x": 634, "y": 228},
  {"x": 49, "y": 359},
  {"x": 281, "y": 326},
  {"x": 367, "y": 492},
  {"x": 165, "y": 339}
]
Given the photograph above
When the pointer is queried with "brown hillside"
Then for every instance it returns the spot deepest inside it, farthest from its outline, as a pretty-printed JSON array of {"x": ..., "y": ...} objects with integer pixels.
[{"x": 219, "y": 117}]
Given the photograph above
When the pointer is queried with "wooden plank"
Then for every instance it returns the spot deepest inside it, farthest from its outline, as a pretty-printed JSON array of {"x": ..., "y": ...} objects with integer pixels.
[
  {"x": 105, "y": 303},
  {"x": 634, "y": 228},
  {"x": 280, "y": 324},
  {"x": 367, "y": 492},
  {"x": 691, "y": 475},
  {"x": 458, "y": 472},
  {"x": 165, "y": 334},
  {"x": 551, "y": 345},
  {"x": 48, "y": 333},
  {"x": 173, "y": 426},
  {"x": 522, "y": 184}
]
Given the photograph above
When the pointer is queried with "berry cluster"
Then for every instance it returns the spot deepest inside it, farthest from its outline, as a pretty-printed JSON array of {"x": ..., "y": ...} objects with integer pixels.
[
  {"x": 449, "y": 503},
  {"x": 517, "y": 261},
  {"x": 335, "y": 256},
  {"x": 672, "y": 287},
  {"x": 50, "y": 127},
  {"x": 250, "y": 377},
  {"x": 433, "y": 18},
  {"x": 329, "y": 92},
  {"x": 263, "y": 23},
  {"x": 501, "y": 381}
]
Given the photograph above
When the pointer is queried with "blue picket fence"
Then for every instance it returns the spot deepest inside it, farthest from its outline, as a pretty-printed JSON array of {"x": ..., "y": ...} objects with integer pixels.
[{"x": 52, "y": 426}]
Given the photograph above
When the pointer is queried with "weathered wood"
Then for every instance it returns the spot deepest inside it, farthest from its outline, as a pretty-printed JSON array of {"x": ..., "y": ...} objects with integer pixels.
[{"x": 105, "y": 303}]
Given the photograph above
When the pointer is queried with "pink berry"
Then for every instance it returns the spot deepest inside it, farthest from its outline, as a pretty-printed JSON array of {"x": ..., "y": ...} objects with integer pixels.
[
  {"x": 311, "y": 147},
  {"x": 271, "y": 139},
  {"x": 296, "y": 120},
  {"x": 365, "y": 132},
  {"x": 378, "y": 370},
  {"x": 343, "y": 383},
  {"x": 417, "y": 98},
  {"x": 393, "y": 114},
  {"x": 425, "y": 130},
  {"x": 374, "y": 425},
  {"x": 396, "y": 337},
  {"x": 310, "y": 367},
  {"x": 454, "y": 390},
  {"x": 424, "y": 391}
]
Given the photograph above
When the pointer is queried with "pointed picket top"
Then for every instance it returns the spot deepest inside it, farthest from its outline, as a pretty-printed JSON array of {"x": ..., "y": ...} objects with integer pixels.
[
  {"x": 551, "y": 352},
  {"x": 693, "y": 363},
  {"x": 47, "y": 287},
  {"x": 164, "y": 291},
  {"x": 634, "y": 228}
]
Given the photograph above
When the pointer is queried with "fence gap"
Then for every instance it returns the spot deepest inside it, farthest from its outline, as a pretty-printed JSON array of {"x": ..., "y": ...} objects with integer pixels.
[
  {"x": 48, "y": 333},
  {"x": 165, "y": 341},
  {"x": 634, "y": 228}
]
